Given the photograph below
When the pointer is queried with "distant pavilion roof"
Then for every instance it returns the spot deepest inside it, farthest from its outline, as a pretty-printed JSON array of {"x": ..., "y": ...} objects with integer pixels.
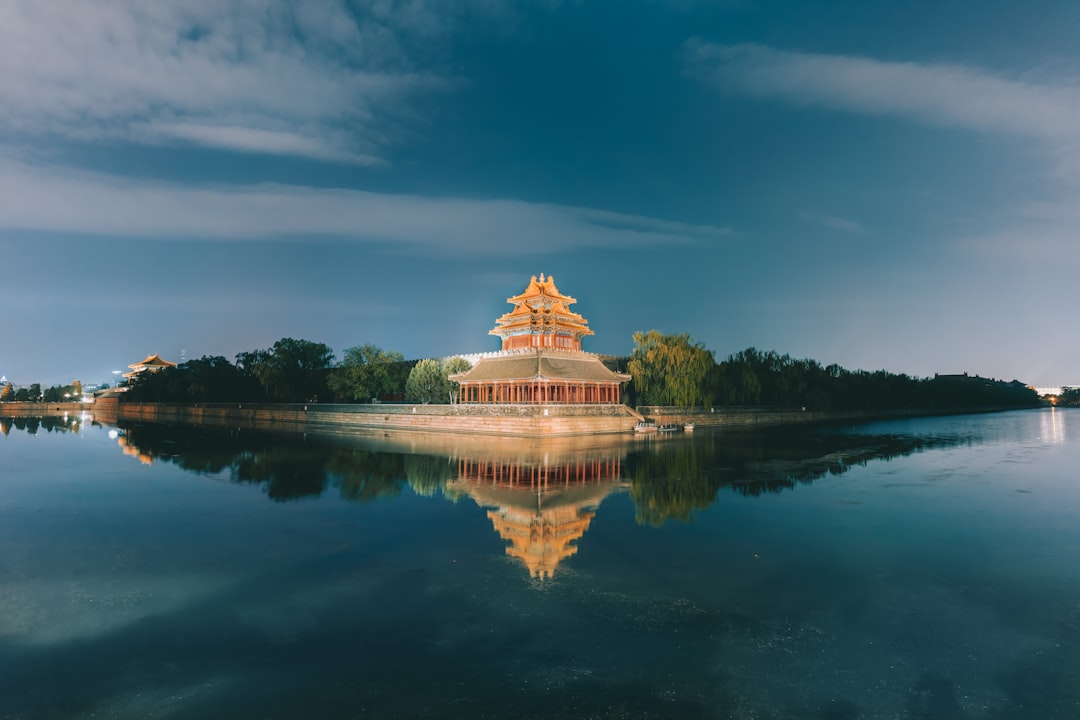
[{"x": 152, "y": 362}]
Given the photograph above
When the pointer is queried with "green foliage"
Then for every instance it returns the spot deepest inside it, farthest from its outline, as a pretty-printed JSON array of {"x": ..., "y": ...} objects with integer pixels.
[
  {"x": 670, "y": 370},
  {"x": 427, "y": 383},
  {"x": 429, "y": 380},
  {"x": 22, "y": 395},
  {"x": 673, "y": 370},
  {"x": 291, "y": 371},
  {"x": 368, "y": 372},
  {"x": 456, "y": 365}
]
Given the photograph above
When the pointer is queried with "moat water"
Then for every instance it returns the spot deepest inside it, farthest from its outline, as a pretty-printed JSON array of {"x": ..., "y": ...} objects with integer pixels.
[{"x": 916, "y": 569}]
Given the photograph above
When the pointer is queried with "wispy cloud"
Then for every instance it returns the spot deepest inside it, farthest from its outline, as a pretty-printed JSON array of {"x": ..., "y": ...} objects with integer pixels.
[
  {"x": 835, "y": 222},
  {"x": 45, "y": 199},
  {"x": 307, "y": 79},
  {"x": 939, "y": 94}
]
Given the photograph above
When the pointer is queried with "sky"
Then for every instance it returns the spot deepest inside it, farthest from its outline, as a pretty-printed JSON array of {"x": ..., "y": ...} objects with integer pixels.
[{"x": 881, "y": 185}]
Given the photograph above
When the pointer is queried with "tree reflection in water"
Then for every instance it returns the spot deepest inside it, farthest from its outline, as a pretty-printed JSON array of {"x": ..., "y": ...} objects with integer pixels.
[{"x": 668, "y": 478}]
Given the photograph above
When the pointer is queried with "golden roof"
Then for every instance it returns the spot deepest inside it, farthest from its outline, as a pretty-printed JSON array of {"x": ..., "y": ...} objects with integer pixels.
[
  {"x": 152, "y": 361},
  {"x": 541, "y": 287},
  {"x": 541, "y": 308},
  {"x": 541, "y": 365}
]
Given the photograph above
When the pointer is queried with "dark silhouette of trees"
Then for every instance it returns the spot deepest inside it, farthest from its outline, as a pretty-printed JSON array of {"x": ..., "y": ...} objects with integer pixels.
[
  {"x": 208, "y": 379},
  {"x": 291, "y": 371},
  {"x": 1069, "y": 397},
  {"x": 673, "y": 370}
]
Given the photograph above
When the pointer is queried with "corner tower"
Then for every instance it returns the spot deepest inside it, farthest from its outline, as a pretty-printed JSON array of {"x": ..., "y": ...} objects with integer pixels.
[
  {"x": 541, "y": 318},
  {"x": 541, "y": 362}
]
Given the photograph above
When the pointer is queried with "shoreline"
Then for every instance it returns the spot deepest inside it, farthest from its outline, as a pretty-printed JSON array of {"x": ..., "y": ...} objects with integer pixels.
[{"x": 520, "y": 421}]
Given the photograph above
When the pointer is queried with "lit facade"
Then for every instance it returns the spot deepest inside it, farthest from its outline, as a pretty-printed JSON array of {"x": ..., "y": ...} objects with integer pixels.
[
  {"x": 541, "y": 360},
  {"x": 152, "y": 363}
]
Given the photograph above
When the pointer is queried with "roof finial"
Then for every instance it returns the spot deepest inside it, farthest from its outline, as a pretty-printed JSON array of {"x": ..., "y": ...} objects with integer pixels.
[{"x": 541, "y": 277}]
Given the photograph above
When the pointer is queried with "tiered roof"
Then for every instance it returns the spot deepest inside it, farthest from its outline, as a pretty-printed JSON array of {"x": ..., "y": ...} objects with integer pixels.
[
  {"x": 152, "y": 362},
  {"x": 541, "y": 310},
  {"x": 524, "y": 365}
]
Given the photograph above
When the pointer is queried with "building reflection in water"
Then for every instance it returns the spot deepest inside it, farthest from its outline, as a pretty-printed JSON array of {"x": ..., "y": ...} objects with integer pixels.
[
  {"x": 130, "y": 449},
  {"x": 541, "y": 508},
  {"x": 1053, "y": 427}
]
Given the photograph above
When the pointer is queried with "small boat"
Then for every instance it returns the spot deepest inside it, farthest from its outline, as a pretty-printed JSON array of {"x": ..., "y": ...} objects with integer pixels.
[
  {"x": 669, "y": 427},
  {"x": 688, "y": 427},
  {"x": 645, "y": 427}
]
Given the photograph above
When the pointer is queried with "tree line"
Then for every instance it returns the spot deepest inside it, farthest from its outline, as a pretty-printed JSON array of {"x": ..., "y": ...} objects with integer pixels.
[
  {"x": 1069, "y": 397},
  {"x": 34, "y": 393},
  {"x": 674, "y": 370},
  {"x": 293, "y": 371},
  {"x": 665, "y": 369}
]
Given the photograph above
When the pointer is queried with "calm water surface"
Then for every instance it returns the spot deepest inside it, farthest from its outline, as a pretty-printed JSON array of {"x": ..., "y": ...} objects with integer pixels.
[{"x": 911, "y": 569}]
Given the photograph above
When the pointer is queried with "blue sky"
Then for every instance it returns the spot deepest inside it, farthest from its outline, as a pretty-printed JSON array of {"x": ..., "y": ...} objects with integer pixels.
[{"x": 880, "y": 185}]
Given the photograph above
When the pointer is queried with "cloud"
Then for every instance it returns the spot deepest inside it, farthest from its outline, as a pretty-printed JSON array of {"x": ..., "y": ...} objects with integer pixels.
[
  {"x": 835, "y": 222},
  {"x": 45, "y": 199},
  {"x": 309, "y": 79},
  {"x": 252, "y": 140},
  {"x": 937, "y": 94}
]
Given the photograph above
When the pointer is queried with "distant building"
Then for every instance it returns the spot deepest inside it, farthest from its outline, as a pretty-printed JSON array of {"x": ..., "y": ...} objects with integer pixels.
[
  {"x": 153, "y": 363},
  {"x": 541, "y": 360}
]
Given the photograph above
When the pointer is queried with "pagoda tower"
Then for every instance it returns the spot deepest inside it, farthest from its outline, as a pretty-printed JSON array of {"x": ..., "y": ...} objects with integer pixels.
[
  {"x": 541, "y": 318},
  {"x": 541, "y": 361}
]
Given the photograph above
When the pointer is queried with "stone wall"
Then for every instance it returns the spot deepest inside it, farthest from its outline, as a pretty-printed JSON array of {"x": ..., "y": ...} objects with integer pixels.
[
  {"x": 535, "y": 421},
  {"x": 747, "y": 417},
  {"x": 41, "y": 409},
  {"x": 517, "y": 420}
]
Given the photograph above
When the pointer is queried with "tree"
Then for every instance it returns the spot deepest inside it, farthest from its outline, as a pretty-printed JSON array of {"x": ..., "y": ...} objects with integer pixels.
[
  {"x": 429, "y": 380},
  {"x": 35, "y": 392},
  {"x": 76, "y": 391},
  {"x": 215, "y": 379},
  {"x": 670, "y": 370},
  {"x": 22, "y": 395},
  {"x": 290, "y": 371},
  {"x": 1070, "y": 397},
  {"x": 427, "y": 383},
  {"x": 453, "y": 366},
  {"x": 208, "y": 379},
  {"x": 368, "y": 372},
  {"x": 7, "y": 393}
]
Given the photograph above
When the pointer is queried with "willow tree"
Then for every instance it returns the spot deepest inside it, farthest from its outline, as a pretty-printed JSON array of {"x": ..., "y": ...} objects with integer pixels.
[{"x": 671, "y": 370}]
